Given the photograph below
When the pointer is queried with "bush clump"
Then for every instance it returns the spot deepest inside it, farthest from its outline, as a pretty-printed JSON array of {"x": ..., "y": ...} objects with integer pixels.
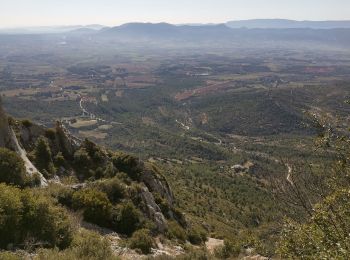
[
  {"x": 128, "y": 164},
  {"x": 29, "y": 214},
  {"x": 175, "y": 231},
  {"x": 126, "y": 218},
  {"x": 82, "y": 162},
  {"x": 50, "y": 133},
  {"x": 114, "y": 188},
  {"x": 86, "y": 245},
  {"x": 95, "y": 205},
  {"x": 26, "y": 123},
  {"x": 43, "y": 157},
  {"x": 12, "y": 170},
  {"x": 196, "y": 236},
  {"x": 230, "y": 249},
  {"x": 142, "y": 240},
  {"x": 11, "y": 210}
]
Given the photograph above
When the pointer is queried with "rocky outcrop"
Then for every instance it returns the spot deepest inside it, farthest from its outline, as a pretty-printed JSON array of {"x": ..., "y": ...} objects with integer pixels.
[
  {"x": 29, "y": 134},
  {"x": 157, "y": 183},
  {"x": 30, "y": 168},
  {"x": 66, "y": 142},
  {"x": 153, "y": 211},
  {"x": 9, "y": 140},
  {"x": 156, "y": 198}
]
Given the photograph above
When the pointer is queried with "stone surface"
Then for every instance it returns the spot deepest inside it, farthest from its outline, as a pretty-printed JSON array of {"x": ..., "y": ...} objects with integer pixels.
[{"x": 153, "y": 211}]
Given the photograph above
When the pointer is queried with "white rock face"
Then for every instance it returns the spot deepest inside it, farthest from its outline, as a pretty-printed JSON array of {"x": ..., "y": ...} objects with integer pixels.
[
  {"x": 30, "y": 168},
  {"x": 9, "y": 140}
]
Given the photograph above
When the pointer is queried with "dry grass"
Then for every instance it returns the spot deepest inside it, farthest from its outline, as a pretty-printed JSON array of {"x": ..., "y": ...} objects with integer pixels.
[
  {"x": 93, "y": 134},
  {"x": 83, "y": 123}
]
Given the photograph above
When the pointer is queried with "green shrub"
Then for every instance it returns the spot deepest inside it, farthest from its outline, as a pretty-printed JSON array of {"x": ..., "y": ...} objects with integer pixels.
[
  {"x": 230, "y": 249},
  {"x": 142, "y": 240},
  {"x": 124, "y": 178},
  {"x": 128, "y": 164},
  {"x": 82, "y": 162},
  {"x": 43, "y": 157},
  {"x": 11, "y": 121},
  {"x": 44, "y": 221},
  {"x": 175, "y": 231},
  {"x": 180, "y": 218},
  {"x": 54, "y": 254},
  {"x": 196, "y": 236},
  {"x": 94, "y": 151},
  {"x": 32, "y": 181},
  {"x": 63, "y": 194},
  {"x": 114, "y": 189},
  {"x": 29, "y": 214},
  {"x": 95, "y": 205},
  {"x": 110, "y": 171},
  {"x": 325, "y": 235},
  {"x": 86, "y": 245},
  {"x": 59, "y": 160},
  {"x": 126, "y": 218},
  {"x": 27, "y": 123},
  {"x": 12, "y": 170},
  {"x": 11, "y": 210},
  {"x": 50, "y": 133},
  {"x": 163, "y": 204},
  {"x": 195, "y": 253}
]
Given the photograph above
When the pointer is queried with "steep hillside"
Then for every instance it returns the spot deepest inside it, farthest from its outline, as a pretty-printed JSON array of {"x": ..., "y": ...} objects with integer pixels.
[{"x": 126, "y": 201}]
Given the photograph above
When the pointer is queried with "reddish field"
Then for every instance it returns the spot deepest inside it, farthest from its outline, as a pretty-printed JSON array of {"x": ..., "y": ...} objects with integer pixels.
[{"x": 203, "y": 90}]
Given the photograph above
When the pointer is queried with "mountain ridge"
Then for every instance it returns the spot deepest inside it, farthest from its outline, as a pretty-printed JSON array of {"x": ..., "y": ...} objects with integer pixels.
[
  {"x": 235, "y": 24},
  {"x": 288, "y": 24}
]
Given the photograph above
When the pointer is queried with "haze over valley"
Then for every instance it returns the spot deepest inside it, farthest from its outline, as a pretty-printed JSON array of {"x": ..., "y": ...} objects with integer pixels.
[{"x": 184, "y": 140}]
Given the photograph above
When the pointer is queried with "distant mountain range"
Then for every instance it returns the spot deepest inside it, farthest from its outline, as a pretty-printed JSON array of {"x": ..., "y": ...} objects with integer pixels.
[
  {"x": 222, "y": 33},
  {"x": 287, "y": 24},
  {"x": 275, "y": 32},
  {"x": 49, "y": 29},
  {"x": 150, "y": 28},
  {"x": 166, "y": 31}
]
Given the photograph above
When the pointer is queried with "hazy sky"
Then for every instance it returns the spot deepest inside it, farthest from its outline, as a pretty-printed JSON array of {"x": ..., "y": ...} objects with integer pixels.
[{"x": 14, "y": 13}]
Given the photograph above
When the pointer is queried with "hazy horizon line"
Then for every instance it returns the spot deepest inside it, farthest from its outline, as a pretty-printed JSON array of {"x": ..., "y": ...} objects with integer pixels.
[{"x": 168, "y": 22}]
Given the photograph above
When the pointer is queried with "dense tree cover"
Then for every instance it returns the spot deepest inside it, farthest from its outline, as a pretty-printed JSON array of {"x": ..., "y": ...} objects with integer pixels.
[
  {"x": 27, "y": 216},
  {"x": 12, "y": 170},
  {"x": 95, "y": 185},
  {"x": 325, "y": 232},
  {"x": 325, "y": 235},
  {"x": 114, "y": 188},
  {"x": 124, "y": 218},
  {"x": 43, "y": 157}
]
